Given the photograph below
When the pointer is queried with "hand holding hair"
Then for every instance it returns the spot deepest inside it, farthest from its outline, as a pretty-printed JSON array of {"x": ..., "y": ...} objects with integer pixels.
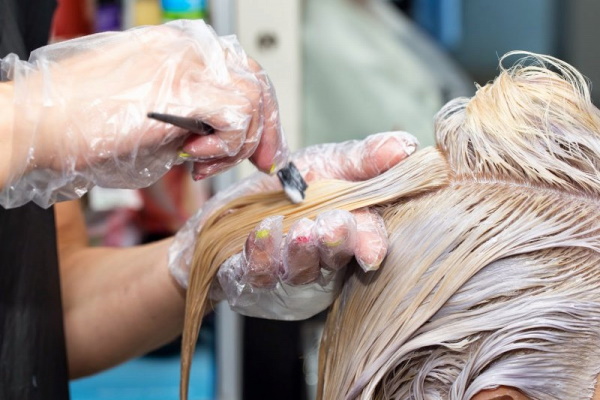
[
  {"x": 79, "y": 108},
  {"x": 300, "y": 269}
]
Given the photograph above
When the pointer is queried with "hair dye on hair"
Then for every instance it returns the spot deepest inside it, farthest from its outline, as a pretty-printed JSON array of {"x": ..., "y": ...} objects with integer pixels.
[{"x": 492, "y": 274}]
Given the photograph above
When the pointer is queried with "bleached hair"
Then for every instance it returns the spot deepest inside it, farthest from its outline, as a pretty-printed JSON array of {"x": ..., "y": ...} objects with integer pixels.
[
  {"x": 492, "y": 276},
  {"x": 493, "y": 279}
]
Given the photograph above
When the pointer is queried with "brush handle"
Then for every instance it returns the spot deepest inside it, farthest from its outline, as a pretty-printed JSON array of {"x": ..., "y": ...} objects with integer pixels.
[{"x": 193, "y": 125}]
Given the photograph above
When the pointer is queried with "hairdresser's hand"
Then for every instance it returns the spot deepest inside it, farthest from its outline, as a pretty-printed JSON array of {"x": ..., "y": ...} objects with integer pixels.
[
  {"x": 295, "y": 276},
  {"x": 80, "y": 111}
]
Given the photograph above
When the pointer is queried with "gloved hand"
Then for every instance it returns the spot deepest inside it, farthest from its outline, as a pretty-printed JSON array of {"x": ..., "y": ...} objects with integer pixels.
[
  {"x": 80, "y": 111},
  {"x": 294, "y": 276}
]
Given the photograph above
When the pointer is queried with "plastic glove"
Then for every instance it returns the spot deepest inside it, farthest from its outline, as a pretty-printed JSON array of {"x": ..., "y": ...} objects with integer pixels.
[
  {"x": 295, "y": 276},
  {"x": 80, "y": 111}
]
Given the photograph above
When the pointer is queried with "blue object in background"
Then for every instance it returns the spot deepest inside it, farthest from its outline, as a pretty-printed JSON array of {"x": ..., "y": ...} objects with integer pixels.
[
  {"x": 442, "y": 19},
  {"x": 478, "y": 32},
  {"x": 149, "y": 378},
  {"x": 183, "y": 5},
  {"x": 183, "y": 9}
]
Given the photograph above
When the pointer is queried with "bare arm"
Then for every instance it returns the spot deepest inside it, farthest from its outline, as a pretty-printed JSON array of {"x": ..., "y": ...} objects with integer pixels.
[{"x": 118, "y": 302}]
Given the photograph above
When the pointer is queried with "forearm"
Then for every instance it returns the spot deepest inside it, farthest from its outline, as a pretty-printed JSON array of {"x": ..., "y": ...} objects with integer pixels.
[
  {"x": 6, "y": 132},
  {"x": 118, "y": 304}
]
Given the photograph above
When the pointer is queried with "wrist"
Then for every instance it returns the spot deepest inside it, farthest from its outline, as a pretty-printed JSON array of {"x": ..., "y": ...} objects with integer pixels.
[{"x": 6, "y": 132}]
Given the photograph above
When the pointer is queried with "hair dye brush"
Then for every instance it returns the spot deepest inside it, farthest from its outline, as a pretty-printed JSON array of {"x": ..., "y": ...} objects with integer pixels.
[{"x": 293, "y": 184}]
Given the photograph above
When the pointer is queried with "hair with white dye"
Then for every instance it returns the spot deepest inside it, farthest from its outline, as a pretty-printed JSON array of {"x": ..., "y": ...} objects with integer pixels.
[
  {"x": 494, "y": 279},
  {"x": 492, "y": 275}
]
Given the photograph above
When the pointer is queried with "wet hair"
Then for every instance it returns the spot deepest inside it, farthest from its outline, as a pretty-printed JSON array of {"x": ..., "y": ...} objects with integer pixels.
[{"x": 492, "y": 274}]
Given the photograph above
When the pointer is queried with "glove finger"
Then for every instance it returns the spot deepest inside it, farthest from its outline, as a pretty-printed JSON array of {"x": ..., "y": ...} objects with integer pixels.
[
  {"x": 228, "y": 138},
  {"x": 231, "y": 280},
  {"x": 263, "y": 253},
  {"x": 358, "y": 159},
  {"x": 236, "y": 137},
  {"x": 204, "y": 169},
  {"x": 371, "y": 239},
  {"x": 379, "y": 153},
  {"x": 335, "y": 231},
  {"x": 301, "y": 254},
  {"x": 248, "y": 85},
  {"x": 211, "y": 167},
  {"x": 272, "y": 151}
]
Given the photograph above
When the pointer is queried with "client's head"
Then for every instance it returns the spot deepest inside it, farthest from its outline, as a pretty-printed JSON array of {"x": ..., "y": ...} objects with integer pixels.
[
  {"x": 492, "y": 277},
  {"x": 493, "y": 280}
]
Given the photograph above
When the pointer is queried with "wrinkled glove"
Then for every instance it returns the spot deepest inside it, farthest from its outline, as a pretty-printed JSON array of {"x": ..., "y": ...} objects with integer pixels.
[
  {"x": 295, "y": 276},
  {"x": 80, "y": 111}
]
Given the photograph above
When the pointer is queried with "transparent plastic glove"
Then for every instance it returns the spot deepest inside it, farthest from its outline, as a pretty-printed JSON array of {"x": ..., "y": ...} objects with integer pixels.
[
  {"x": 80, "y": 111},
  {"x": 297, "y": 275}
]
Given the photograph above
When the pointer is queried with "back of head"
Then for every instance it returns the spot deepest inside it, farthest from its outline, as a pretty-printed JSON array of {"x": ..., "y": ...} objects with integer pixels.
[{"x": 492, "y": 279}]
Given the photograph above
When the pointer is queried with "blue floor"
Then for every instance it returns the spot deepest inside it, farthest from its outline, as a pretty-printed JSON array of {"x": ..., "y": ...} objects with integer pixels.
[{"x": 149, "y": 378}]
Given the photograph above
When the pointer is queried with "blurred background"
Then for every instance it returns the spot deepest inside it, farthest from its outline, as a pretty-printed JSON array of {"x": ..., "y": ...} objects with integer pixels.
[{"x": 343, "y": 69}]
